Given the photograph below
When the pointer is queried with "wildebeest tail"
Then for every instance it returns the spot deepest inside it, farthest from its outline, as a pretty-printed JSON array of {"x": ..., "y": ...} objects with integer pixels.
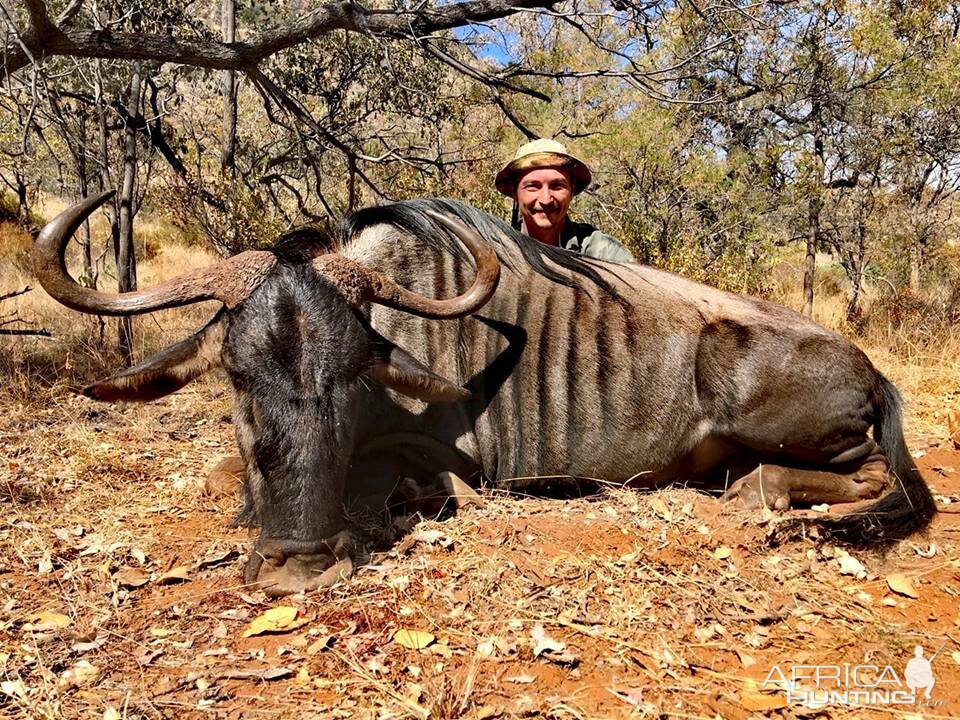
[{"x": 908, "y": 507}]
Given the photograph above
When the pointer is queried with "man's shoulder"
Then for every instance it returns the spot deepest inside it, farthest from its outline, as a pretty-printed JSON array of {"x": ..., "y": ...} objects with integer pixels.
[{"x": 587, "y": 240}]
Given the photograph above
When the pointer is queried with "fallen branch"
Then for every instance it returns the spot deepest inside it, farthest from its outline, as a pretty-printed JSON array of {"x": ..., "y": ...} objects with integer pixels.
[
  {"x": 14, "y": 318},
  {"x": 15, "y": 293}
]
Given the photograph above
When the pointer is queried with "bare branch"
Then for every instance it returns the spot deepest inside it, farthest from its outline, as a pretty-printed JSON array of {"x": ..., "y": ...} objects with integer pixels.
[
  {"x": 15, "y": 293},
  {"x": 39, "y": 332},
  {"x": 43, "y": 39}
]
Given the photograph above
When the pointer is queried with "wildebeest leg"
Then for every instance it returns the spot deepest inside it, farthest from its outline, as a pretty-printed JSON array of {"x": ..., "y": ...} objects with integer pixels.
[
  {"x": 396, "y": 474},
  {"x": 461, "y": 493},
  {"x": 780, "y": 486},
  {"x": 446, "y": 491},
  {"x": 253, "y": 488}
]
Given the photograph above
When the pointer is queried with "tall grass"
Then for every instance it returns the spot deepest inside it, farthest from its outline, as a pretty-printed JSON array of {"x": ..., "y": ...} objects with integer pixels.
[{"x": 915, "y": 341}]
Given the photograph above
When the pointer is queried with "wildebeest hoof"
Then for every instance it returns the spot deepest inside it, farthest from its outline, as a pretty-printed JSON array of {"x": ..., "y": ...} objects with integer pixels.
[
  {"x": 285, "y": 567},
  {"x": 461, "y": 493},
  {"x": 761, "y": 488}
]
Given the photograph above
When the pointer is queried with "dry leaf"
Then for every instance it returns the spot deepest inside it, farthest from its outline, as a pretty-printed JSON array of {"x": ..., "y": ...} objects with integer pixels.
[
  {"x": 550, "y": 649},
  {"x": 268, "y": 674},
  {"x": 633, "y": 696},
  {"x": 953, "y": 427},
  {"x": 81, "y": 674},
  {"x": 111, "y": 713},
  {"x": 486, "y": 649},
  {"x": 275, "y": 620},
  {"x": 148, "y": 656},
  {"x": 745, "y": 659},
  {"x": 95, "y": 644},
  {"x": 131, "y": 578},
  {"x": 14, "y": 688},
  {"x": 433, "y": 537},
  {"x": 216, "y": 559},
  {"x": 462, "y": 494},
  {"x": 521, "y": 679},
  {"x": 758, "y": 702},
  {"x": 660, "y": 508},
  {"x": 849, "y": 565},
  {"x": 413, "y": 639},
  {"x": 544, "y": 643},
  {"x": 376, "y": 665},
  {"x": 722, "y": 553},
  {"x": 181, "y": 573},
  {"x": 902, "y": 585},
  {"x": 956, "y": 656},
  {"x": 46, "y": 620},
  {"x": 413, "y": 691},
  {"x": 487, "y": 712}
]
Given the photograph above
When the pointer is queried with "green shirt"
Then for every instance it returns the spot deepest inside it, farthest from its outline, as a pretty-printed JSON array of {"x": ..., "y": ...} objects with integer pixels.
[{"x": 587, "y": 240}]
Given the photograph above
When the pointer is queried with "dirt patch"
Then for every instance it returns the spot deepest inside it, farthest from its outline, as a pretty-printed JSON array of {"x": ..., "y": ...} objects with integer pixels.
[{"x": 121, "y": 591}]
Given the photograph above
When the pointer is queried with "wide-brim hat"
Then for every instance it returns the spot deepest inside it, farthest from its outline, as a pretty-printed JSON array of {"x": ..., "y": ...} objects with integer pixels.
[{"x": 542, "y": 153}]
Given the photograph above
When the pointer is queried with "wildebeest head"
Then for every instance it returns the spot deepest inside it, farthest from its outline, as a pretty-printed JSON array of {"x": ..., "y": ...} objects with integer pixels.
[{"x": 297, "y": 349}]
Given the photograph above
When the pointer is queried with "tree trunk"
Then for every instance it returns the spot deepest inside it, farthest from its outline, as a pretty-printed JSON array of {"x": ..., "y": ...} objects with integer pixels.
[
  {"x": 916, "y": 265},
  {"x": 228, "y": 155},
  {"x": 84, "y": 182},
  {"x": 23, "y": 208},
  {"x": 816, "y": 191},
  {"x": 810, "y": 260},
  {"x": 351, "y": 184},
  {"x": 110, "y": 208},
  {"x": 228, "y": 19},
  {"x": 854, "y": 314},
  {"x": 125, "y": 257}
]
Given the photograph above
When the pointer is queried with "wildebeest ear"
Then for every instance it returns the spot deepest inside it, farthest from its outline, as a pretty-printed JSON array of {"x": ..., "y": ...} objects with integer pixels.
[
  {"x": 168, "y": 370},
  {"x": 401, "y": 371}
]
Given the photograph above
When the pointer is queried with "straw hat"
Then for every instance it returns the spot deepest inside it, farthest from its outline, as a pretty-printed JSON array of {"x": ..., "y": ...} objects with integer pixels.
[{"x": 542, "y": 153}]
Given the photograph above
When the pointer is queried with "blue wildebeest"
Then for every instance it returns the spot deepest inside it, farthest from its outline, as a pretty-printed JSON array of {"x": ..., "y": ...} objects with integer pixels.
[{"x": 349, "y": 373}]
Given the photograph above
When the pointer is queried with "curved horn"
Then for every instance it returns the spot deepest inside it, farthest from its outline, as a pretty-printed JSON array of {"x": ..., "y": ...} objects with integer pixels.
[
  {"x": 229, "y": 281},
  {"x": 361, "y": 283}
]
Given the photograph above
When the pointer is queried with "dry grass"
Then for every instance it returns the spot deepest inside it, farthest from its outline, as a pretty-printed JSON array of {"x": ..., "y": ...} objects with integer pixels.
[
  {"x": 667, "y": 604},
  {"x": 920, "y": 355}
]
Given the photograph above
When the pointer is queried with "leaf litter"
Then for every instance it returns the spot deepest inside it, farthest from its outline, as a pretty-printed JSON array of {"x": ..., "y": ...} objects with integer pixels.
[{"x": 623, "y": 604}]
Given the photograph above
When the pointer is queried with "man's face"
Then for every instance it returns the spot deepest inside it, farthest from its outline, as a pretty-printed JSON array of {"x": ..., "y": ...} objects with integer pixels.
[{"x": 544, "y": 194}]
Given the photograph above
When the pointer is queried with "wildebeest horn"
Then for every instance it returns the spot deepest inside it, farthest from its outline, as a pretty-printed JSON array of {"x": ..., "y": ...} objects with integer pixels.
[
  {"x": 229, "y": 281},
  {"x": 361, "y": 283}
]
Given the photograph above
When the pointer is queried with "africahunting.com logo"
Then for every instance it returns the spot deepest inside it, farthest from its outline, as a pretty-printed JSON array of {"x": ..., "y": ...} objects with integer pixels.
[{"x": 821, "y": 685}]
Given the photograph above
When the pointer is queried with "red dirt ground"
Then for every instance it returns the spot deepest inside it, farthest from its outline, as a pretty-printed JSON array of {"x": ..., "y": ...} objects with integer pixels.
[{"x": 667, "y": 604}]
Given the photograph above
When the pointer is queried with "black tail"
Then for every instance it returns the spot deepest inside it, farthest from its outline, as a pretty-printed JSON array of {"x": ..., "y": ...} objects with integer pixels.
[{"x": 908, "y": 507}]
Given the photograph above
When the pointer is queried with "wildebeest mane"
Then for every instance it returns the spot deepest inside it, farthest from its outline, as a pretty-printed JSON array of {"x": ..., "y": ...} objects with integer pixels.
[
  {"x": 302, "y": 244},
  {"x": 409, "y": 216}
]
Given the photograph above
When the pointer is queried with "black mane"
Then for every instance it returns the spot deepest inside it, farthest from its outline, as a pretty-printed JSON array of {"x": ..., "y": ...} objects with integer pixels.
[
  {"x": 302, "y": 244},
  {"x": 410, "y": 217}
]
